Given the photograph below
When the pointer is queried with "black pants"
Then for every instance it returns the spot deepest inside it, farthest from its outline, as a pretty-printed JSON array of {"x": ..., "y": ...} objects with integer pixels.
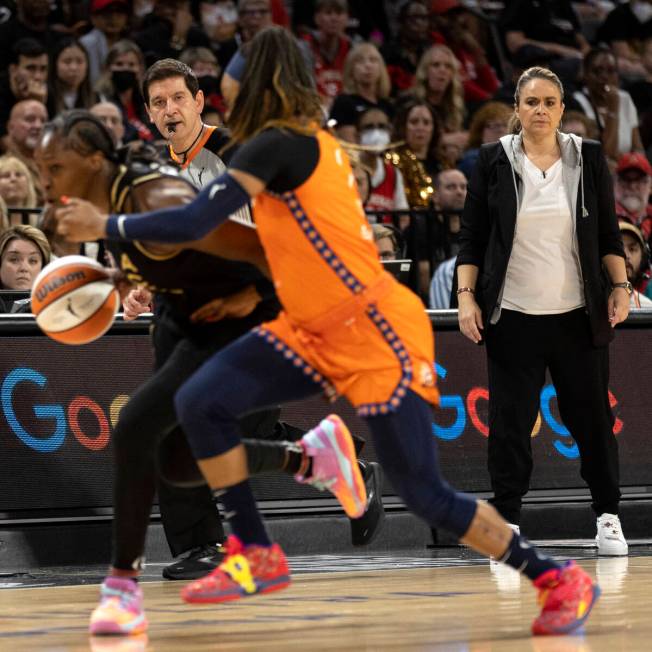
[
  {"x": 190, "y": 517},
  {"x": 519, "y": 349},
  {"x": 188, "y": 513}
]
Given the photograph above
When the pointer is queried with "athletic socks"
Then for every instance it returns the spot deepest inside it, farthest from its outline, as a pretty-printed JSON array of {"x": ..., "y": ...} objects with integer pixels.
[
  {"x": 525, "y": 558},
  {"x": 242, "y": 513}
]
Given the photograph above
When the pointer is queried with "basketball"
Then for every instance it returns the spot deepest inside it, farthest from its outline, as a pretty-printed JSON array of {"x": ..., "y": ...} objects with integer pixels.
[{"x": 74, "y": 300}]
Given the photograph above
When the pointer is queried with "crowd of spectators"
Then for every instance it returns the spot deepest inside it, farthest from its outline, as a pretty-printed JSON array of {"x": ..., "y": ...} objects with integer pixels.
[{"x": 415, "y": 86}]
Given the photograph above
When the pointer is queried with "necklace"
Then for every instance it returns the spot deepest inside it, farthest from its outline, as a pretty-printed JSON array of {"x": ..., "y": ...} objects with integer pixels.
[
  {"x": 545, "y": 157},
  {"x": 184, "y": 153}
]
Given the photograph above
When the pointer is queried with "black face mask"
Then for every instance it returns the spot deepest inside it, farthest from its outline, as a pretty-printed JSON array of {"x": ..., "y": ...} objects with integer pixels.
[
  {"x": 209, "y": 84},
  {"x": 123, "y": 80}
]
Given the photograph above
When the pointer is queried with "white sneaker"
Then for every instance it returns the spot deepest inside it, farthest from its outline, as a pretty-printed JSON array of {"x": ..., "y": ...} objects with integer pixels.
[{"x": 610, "y": 539}]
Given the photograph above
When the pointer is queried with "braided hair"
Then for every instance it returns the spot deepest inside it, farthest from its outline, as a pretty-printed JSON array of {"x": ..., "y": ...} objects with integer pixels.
[{"x": 85, "y": 134}]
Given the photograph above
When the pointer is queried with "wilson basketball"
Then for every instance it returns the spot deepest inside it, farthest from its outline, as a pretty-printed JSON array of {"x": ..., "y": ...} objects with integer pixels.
[{"x": 74, "y": 300}]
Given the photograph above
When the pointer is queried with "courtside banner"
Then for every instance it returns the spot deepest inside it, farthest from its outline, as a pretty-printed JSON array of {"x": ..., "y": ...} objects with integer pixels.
[{"x": 59, "y": 404}]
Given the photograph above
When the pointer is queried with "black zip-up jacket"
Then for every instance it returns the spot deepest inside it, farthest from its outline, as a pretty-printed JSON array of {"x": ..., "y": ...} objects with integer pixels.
[{"x": 489, "y": 220}]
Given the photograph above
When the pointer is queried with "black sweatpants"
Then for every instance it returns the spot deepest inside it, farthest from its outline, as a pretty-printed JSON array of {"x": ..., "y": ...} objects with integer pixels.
[{"x": 520, "y": 348}]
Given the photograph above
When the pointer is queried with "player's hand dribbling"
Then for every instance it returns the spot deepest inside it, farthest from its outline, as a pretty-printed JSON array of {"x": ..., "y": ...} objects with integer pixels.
[
  {"x": 138, "y": 301},
  {"x": 469, "y": 317},
  {"x": 79, "y": 221}
]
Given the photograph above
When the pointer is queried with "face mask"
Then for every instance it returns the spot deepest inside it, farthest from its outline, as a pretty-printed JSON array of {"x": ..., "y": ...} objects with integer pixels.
[
  {"x": 208, "y": 84},
  {"x": 123, "y": 80},
  {"x": 632, "y": 203},
  {"x": 227, "y": 14},
  {"x": 212, "y": 16},
  {"x": 375, "y": 138},
  {"x": 642, "y": 11}
]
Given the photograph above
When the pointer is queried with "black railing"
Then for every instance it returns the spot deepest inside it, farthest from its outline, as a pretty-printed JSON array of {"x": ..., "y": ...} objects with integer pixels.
[
  {"x": 23, "y": 213},
  {"x": 442, "y": 320}
]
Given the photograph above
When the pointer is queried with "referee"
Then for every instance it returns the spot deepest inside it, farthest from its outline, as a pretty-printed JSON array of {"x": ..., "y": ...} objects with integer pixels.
[{"x": 202, "y": 154}]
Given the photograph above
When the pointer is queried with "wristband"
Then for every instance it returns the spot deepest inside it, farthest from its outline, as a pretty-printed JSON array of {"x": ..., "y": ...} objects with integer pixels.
[{"x": 460, "y": 290}]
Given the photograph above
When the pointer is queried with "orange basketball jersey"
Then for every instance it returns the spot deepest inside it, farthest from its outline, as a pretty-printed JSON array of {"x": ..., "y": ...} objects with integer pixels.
[{"x": 345, "y": 322}]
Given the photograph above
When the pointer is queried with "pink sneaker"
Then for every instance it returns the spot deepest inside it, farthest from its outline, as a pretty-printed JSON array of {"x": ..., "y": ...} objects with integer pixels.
[
  {"x": 121, "y": 608},
  {"x": 566, "y": 597},
  {"x": 334, "y": 465}
]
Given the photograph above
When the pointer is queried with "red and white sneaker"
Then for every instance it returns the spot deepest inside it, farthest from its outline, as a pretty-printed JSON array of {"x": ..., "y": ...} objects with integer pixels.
[
  {"x": 566, "y": 597},
  {"x": 335, "y": 465},
  {"x": 245, "y": 571},
  {"x": 120, "y": 610}
]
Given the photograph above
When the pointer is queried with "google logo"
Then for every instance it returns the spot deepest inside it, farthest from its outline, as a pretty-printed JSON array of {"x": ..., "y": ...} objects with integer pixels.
[
  {"x": 462, "y": 408},
  {"x": 62, "y": 417}
]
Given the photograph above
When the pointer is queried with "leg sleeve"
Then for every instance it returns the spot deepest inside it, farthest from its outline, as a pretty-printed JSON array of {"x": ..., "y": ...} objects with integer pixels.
[
  {"x": 407, "y": 451},
  {"x": 251, "y": 375},
  {"x": 148, "y": 416}
]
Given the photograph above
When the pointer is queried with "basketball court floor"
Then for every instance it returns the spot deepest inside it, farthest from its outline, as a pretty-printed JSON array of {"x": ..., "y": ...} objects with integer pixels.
[{"x": 443, "y": 599}]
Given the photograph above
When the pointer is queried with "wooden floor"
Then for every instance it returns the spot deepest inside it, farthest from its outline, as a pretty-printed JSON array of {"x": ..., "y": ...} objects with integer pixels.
[{"x": 456, "y": 608}]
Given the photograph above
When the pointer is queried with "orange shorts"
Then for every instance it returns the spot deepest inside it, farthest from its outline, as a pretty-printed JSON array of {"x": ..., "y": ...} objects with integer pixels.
[{"x": 371, "y": 349}]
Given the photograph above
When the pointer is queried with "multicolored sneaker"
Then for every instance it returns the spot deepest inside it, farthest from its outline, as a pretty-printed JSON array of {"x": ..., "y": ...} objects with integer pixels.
[
  {"x": 121, "y": 608},
  {"x": 334, "y": 464},
  {"x": 566, "y": 597},
  {"x": 245, "y": 571}
]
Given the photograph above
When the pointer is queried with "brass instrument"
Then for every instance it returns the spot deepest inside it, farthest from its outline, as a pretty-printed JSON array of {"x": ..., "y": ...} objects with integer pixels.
[{"x": 419, "y": 189}]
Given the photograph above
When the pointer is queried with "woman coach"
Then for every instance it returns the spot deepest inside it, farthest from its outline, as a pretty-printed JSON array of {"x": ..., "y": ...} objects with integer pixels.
[{"x": 538, "y": 231}]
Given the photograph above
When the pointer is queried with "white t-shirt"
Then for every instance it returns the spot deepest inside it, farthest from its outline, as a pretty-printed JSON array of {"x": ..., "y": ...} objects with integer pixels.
[
  {"x": 627, "y": 117},
  {"x": 543, "y": 275}
]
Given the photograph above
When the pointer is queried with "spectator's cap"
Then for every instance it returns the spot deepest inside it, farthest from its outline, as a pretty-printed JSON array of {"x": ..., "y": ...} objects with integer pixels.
[
  {"x": 101, "y": 5},
  {"x": 628, "y": 227},
  {"x": 338, "y": 5},
  {"x": 634, "y": 161},
  {"x": 441, "y": 7}
]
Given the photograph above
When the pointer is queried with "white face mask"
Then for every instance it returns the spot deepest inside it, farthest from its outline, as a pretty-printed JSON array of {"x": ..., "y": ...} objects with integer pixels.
[
  {"x": 212, "y": 15},
  {"x": 632, "y": 203},
  {"x": 642, "y": 11},
  {"x": 375, "y": 138}
]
